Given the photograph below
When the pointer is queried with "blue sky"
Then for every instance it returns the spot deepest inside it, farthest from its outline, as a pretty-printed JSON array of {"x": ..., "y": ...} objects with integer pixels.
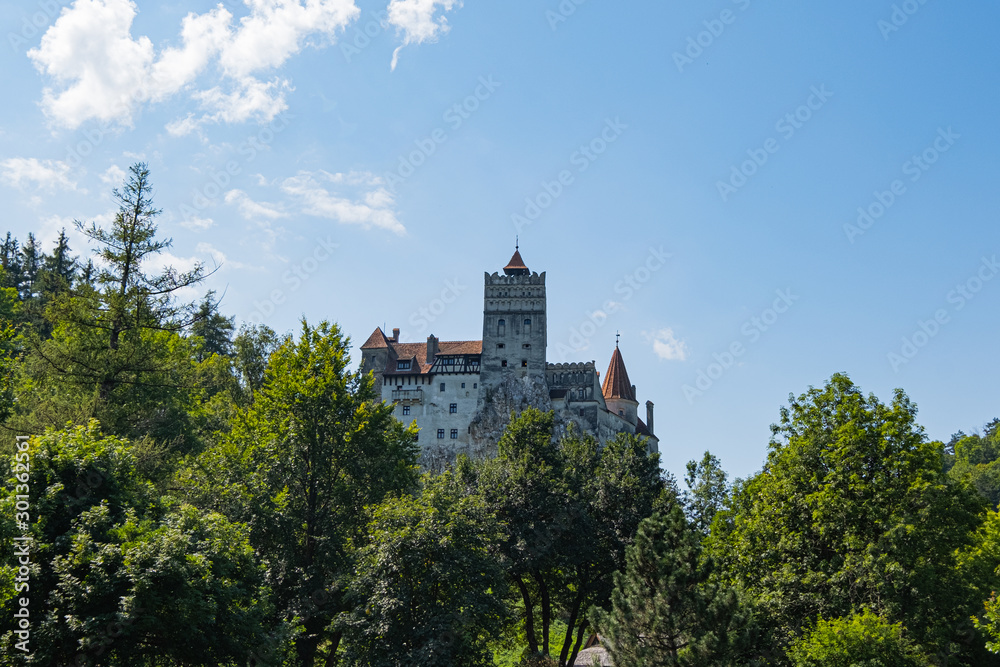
[{"x": 681, "y": 171}]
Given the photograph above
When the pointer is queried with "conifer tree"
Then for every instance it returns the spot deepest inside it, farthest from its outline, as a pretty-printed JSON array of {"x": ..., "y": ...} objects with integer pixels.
[{"x": 665, "y": 609}]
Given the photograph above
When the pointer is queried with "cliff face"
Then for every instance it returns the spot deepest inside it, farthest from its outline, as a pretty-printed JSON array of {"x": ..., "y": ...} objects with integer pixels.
[{"x": 511, "y": 395}]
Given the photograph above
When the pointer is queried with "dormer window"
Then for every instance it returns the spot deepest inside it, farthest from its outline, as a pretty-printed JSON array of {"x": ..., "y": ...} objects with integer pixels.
[{"x": 403, "y": 365}]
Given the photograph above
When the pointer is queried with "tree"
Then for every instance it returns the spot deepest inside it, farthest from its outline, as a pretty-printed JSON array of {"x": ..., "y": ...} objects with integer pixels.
[
  {"x": 861, "y": 640},
  {"x": 10, "y": 258},
  {"x": 31, "y": 265},
  {"x": 708, "y": 491},
  {"x": 123, "y": 576},
  {"x": 61, "y": 265},
  {"x": 427, "y": 587},
  {"x": 567, "y": 509},
  {"x": 976, "y": 459},
  {"x": 252, "y": 349},
  {"x": 979, "y": 566},
  {"x": 116, "y": 353},
  {"x": 666, "y": 609},
  {"x": 991, "y": 623},
  {"x": 214, "y": 330},
  {"x": 301, "y": 467},
  {"x": 852, "y": 510}
]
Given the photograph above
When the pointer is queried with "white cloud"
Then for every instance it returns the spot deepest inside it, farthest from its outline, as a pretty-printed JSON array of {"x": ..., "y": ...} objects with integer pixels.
[
  {"x": 218, "y": 257},
  {"x": 101, "y": 72},
  {"x": 47, "y": 175},
  {"x": 416, "y": 21},
  {"x": 371, "y": 205},
  {"x": 666, "y": 346},
  {"x": 196, "y": 223},
  {"x": 252, "y": 99},
  {"x": 251, "y": 209},
  {"x": 113, "y": 176}
]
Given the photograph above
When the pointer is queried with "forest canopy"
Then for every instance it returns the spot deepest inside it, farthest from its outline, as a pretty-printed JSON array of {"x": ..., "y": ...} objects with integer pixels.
[{"x": 204, "y": 493}]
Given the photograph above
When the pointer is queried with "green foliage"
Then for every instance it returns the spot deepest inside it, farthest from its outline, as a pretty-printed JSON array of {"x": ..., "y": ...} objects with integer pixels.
[
  {"x": 301, "y": 468},
  {"x": 851, "y": 511},
  {"x": 991, "y": 623},
  {"x": 567, "y": 510},
  {"x": 426, "y": 586},
  {"x": 113, "y": 350},
  {"x": 977, "y": 460},
  {"x": 708, "y": 491},
  {"x": 213, "y": 330},
  {"x": 859, "y": 640},
  {"x": 252, "y": 349},
  {"x": 666, "y": 609},
  {"x": 122, "y": 576}
]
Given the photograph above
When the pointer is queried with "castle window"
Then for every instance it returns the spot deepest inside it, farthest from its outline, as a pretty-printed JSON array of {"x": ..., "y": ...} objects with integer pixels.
[
  {"x": 454, "y": 434},
  {"x": 527, "y": 326},
  {"x": 463, "y": 385},
  {"x": 475, "y": 385},
  {"x": 453, "y": 408},
  {"x": 527, "y": 346},
  {"x": 442, "y": 387},
  {"x": 440, "y": 434},
  {"x": 503, "y": 363},
  {"x": 500, "y": 346},
  {"x": 524, "y": 363},
  {"x": 402, "y": 365},
  {"x": 621, "y": 412},
  {"x": 406, "y": 409},
  {"x": 501, "y": 327}
]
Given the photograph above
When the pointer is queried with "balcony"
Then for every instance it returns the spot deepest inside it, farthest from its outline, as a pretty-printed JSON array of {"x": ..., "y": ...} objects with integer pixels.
[{"x": 408, "y": 396}]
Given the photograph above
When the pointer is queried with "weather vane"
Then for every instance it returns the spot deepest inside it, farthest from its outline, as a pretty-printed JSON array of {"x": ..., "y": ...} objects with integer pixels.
[{"x": 617, "y": 336}]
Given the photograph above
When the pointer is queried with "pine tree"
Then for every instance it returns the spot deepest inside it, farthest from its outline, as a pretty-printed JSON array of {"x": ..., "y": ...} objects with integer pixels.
[
  {"x": 666, "y": 609},
  {"x": 214, "y": 329},
  {"x": 116, "y": 353},
  {"x": 31, "y": 263},
  {"x": 61, "y": 264},
  {"x": 10, "y": 256}
]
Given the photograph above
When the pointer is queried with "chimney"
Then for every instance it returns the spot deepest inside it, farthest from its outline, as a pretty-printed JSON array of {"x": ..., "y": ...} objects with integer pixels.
[
  {"x": 633, "y": 393},
  {"x": 649, "y": 417},
  {"x": 395, "y": 336},
  {"x": 432, "y": 348}
]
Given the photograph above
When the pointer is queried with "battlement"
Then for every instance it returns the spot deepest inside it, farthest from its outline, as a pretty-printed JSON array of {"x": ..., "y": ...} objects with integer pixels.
[
  {"x": 500, "y": 279},
  {"x": 575, "y": 366}
]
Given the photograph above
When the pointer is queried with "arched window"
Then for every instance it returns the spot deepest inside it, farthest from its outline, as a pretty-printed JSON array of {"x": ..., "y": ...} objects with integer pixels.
[
  {"x": 527, "y": 326},
  {"x": 501, "y": 327}
]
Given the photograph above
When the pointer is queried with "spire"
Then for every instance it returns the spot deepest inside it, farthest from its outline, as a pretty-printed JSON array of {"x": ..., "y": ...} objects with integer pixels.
[
  {"x": 616, "y": 382},
  {"x": 516, "y": 267}
]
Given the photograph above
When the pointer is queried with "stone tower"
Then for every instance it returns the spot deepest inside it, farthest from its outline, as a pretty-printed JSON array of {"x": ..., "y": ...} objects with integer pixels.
[{"x": 514, "y": 326}]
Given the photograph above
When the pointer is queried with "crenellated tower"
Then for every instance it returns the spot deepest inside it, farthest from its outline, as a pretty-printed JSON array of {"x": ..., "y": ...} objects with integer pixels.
[{"x": 514, "y": 324}]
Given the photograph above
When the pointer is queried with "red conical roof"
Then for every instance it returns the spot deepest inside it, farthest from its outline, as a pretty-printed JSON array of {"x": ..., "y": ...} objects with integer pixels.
[
  {"x": 516, "y": 265},
  {"x": 616, "y": 382},
  {"x": 376, "y": 340}
]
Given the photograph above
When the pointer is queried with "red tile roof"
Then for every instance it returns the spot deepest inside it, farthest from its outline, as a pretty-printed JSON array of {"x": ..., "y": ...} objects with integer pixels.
[
  {"x": 417, "y": 353},
  {"x": 616, "y": 382},
  {"x": 515, "y": 263},
  {"x": 376, "y": 340}
]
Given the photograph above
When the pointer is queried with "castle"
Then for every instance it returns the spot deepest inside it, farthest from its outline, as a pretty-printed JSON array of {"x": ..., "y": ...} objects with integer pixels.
[{"x": 461, "y": 393}]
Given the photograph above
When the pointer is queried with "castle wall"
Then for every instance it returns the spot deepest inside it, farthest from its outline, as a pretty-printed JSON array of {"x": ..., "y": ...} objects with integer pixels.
[{"x": 431, "y": 407}]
